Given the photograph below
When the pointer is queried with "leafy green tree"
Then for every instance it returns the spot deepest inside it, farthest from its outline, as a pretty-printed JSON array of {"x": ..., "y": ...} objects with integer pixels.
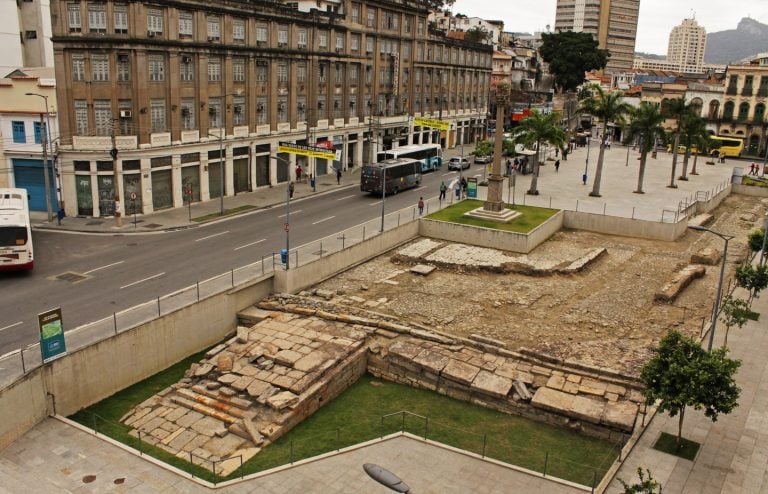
[
  {"x": 477, "y": 34},
  {"x": 508, "y": 147},
  {"x": 733, "y": 312},
  {"x": 569, "y": 55},
  {"x": 704, "y": 145},
  {"x": 682, "y": 374},
  {"x": 756, "y": 240},
  {"x": 677, "y": 109},
  {"x": 645, "y": 486},
  {"x": 753, "y": 279},
  {"x": 483, "y": 148},
  {"x": 646, "y": 123},
  {"x": 694, "y": 127},
  {"x": 608, "y": 107},
  {"x": 535, "y": 130}
]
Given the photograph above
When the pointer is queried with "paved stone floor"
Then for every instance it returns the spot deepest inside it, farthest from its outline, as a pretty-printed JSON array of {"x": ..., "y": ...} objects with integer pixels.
[{"x": 59, "y": 457}]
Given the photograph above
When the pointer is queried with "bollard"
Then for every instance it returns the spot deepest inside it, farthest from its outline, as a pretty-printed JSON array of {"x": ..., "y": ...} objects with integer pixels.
[
  {"x": 158, "y": 306},
  {"x": 23, "y": 367},
  {"x": 214, "y": 473},
  {"x": 342, "y": 241},
  {"x": 363, "y": 232},
  {"x": 594, "y": 480},
  {"x": 198, "y": 284},
  {"x": 114, "y": 320},
  {"x": 233, "y": 278},
  {"x": 191, "y": 463},
  {"x": 321, "y": 249}
]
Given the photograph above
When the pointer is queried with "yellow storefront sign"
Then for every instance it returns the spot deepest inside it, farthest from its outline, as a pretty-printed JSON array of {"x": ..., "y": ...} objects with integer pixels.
[
  {"x": 310, "y": 151},
  {"x": 431, "y": 123}
]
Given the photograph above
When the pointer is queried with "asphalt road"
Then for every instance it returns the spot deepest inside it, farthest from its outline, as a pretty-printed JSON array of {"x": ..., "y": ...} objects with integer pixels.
[{"x": 122, "y": 271}]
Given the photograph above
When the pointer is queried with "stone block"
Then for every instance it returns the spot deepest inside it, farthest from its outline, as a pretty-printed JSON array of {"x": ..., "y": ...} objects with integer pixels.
[
  {"x": 179, "y": 441},
  {"x": 283, "y": 400},
  {"x": 543, "y": 371},
  {"x": 614, "y": 388},
  {"x": 208, "y": 426},
  {"x": 679, "y": 281},
  {"x": 283, "y": 382},
  {"x": 311, "y": 361},
  {"x": 587, "y": 408},
  {"x": 491, "y": 384},
  {"x": 223, "y": 446},
  {"x": 556, "y": 382},
  {"x": 224, "y": 361},
  {"x": 460, "y": 372},
  {"x": 707, "y": 255},
  {"x": 228, "y": 379},
  {"x": 574, "y": 378},
  {"x": 422, "y": 269},
  {"x": 203, "y": 370},
  {"x": 620, "y": 414},
  {"x": 287, "y": 357},
  {"x": 552, "y": 400},
  {"x": 189, "y": 418},
  {"x": 571, "y": 387},
  {"x": 431, "y": 361},
  {"x": 522, "y": 390},
  {"x": 257, "y": 387},
  {"x": 242, "y": 383},
  {"x": 592, "y": 387}
]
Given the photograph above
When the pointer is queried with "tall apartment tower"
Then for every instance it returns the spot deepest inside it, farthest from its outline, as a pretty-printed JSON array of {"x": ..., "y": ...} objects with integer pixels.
[
  {"x": 686, "y": 45},
  {"x": 612, "y": 22}
]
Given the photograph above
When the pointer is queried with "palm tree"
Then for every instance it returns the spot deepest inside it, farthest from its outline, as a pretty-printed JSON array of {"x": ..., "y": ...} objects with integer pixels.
[
  {"x": 676, "y": 108},
  {"x": 609, "y": 107},
  {"x": 647, "y": 124},
  {"x": 693, "y": 128},
  {"x": 535, "y": 130}
]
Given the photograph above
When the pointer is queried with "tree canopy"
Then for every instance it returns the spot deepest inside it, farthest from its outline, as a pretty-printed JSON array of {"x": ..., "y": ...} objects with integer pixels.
[
  {"x": 533, "y": 131},
  {"x": 646, "y": 124},
  {"x": 569, "y": 55}
]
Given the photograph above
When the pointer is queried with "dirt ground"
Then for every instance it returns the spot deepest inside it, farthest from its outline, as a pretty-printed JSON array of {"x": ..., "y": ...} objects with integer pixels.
[{"x": 605, "y": 315}]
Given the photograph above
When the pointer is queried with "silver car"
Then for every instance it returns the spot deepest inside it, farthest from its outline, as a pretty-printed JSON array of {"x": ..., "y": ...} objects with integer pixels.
[
  {"x": 484, "y": 159},
  {"x": 458, "y": 163}
]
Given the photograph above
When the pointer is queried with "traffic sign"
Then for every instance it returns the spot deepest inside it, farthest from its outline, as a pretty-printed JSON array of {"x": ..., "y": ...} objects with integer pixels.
[
  {"x": 286, "y": 227},
  {"x": 132, "y": 196}
]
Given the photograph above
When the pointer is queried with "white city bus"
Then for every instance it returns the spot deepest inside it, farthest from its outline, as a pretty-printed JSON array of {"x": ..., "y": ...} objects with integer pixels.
[
  {"x": 430, "y": 155},
  {"x": 15, "y": 232}
]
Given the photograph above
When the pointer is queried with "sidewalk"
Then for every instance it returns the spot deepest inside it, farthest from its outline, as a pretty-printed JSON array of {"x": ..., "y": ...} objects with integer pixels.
[{"x": 734, "y": 450}]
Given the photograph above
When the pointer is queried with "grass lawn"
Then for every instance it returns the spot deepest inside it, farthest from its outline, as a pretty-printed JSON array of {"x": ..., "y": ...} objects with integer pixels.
[
  {"x": 356, "y": 416},
  {"x": 751, "y": 181},
  {"x": 667, "y": 444},
  {"x": 227, "y": 212},
  {"x": 530, "y": 218}
]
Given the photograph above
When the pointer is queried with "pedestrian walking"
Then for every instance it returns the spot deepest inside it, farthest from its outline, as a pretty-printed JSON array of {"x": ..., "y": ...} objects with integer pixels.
[
  {"x": 421, "y": 205},
  {"x": 463, "y": 187},
  {"x": 298, "y": 173},
  {"x": 557, "y": 166},
  {"x": 753, "y": 169},
  {"x": 290, "y": 190},
  {"x": 557, "y": 150},
  {"x": 338, "y": 175},
  {"x": 443, "y": 188},
  {"x": 565, "y": 154},
  {"x": 509, "y": 167}
]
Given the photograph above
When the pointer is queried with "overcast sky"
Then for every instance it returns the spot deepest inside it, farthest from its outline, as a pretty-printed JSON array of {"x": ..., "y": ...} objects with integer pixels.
[{"x": 657, "y": 17}]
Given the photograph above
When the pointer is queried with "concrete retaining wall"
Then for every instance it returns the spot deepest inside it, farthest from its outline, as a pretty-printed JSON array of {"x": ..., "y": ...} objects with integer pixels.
[
  {"x": 714, "y": 202},
  {"x": 627, "y": 227},
  {"x": 749, "y": 190},
  {"x": 489, "y": 237},
  {"x": 22, "y": 406},
  {"x": 299, "y": 278}
]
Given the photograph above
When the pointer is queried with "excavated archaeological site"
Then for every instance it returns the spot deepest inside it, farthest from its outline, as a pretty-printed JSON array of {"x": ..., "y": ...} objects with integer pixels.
[{"x": 558, "y": 335}]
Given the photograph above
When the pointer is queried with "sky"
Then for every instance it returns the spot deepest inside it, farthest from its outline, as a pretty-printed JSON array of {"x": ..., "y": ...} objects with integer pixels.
[{"x": 657, "y": 17}]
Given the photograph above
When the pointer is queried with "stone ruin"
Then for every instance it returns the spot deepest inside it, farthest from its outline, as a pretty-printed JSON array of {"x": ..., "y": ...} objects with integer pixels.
[{"x": 295, "y": 353}]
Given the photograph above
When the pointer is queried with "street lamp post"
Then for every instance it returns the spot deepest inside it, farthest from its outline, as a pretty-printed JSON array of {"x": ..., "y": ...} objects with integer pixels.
[
  {"x": 586, "y": 164},
  {"x": 383, "y": 193},
  {"x": 46, "y": 144},
  {"x": 287, "y": 214},
  {"x": 716, "y": 308},
  {"x": 765, "y": 234}
]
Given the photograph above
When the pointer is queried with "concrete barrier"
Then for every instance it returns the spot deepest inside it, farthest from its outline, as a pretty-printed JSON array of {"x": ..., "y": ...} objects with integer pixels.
[
  {"x": 489, "y": 237},
  {"x": 22, "y": 406},
  {"x": 750, "y": 190},
  {"x": 714, "y": 202},
  {"x": 298, "y": 278},
  {"x": 627, "y": 227}
]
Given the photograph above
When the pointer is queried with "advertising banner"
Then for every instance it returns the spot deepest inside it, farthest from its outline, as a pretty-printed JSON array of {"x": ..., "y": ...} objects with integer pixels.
[
  {"x": 431, "y": 123},
  {"x": 472, "y": 188},
  {"x": 310, "y": 151},
  {"x": 52, "y": 344}
]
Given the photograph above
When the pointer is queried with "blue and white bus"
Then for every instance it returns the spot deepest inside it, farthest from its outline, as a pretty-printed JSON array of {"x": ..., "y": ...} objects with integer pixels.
[
  {"x": 15, "y": 232},
  {"x": 430, "y": 155}
]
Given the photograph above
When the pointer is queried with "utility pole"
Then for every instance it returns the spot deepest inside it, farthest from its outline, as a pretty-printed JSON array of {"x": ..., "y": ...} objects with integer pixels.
[
  {"x": 45, "y": 171},
  {"x": 116, "y": 174}
]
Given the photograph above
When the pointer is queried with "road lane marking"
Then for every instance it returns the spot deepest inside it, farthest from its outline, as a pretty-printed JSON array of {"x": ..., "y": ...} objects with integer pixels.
[
  {"x": 375, "y": 203},
  {"x": 292, "y": 212},
  {"x": 449, "y": 173},
  {"x": 324, "y": 219},
  {"x": 11, "y": 326},
  {"x": 142, "y": 281},
  {"x": 252, "y": 243},
  {"x": 346, "y": 197},
  {"x": 211, "y": 236},
  {"x": 104, "y": 267}
]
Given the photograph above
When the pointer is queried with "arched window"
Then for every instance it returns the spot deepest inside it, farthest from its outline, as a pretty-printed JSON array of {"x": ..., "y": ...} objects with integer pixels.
[
  {"x": 759, "y": 113},
  {"x": 728, "y": 111},
  {"x": 744, "y": 111},
  {"x": 696, "y": 105},
  {"x": 714, "y": 108},
  {"x": 754, "y": 143}
]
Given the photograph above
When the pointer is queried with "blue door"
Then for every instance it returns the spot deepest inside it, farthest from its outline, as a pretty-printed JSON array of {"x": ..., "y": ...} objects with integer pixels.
[{"x": 28, "y": 174}]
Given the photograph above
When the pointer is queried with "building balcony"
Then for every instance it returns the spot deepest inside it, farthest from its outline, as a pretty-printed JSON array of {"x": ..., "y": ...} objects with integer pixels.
[
  {"x": 762, "y": 92},
  {"x": 731, "y": 91},
  {"x": 747, "y": 91}
]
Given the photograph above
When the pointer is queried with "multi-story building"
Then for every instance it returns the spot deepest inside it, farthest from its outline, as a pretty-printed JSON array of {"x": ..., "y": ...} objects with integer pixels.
[
  {"x": 25, "y": 35},
  {"x": 743, "y": 112},
  {"x": 613, "y": 23},
  {"x": 446, "y": 21},
  {"x": 189, "y": 86},
  {"x": 686, "y": 46}
]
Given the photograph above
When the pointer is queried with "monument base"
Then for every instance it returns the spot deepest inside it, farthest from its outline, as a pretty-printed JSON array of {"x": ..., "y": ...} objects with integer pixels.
[{"x": 503, "y": 216}]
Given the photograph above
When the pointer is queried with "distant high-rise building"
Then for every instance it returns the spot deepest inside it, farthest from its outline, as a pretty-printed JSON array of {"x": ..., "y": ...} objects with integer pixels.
[
  {"x": 686, "y": 45},
  {"x": 612, "y": 22}
]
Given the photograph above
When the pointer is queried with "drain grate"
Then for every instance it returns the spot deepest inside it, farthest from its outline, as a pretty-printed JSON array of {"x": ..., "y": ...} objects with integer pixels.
[
  {"x": 153, "y": 225},
  {"x": 71, "y": 277}
]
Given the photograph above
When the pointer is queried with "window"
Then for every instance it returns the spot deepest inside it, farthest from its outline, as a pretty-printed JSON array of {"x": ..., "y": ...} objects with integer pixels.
[
  {"x": 355, "y": 14},
  {"x": 155, "y": 26},
  {"x": 354, "y": 71},
  {"x": 261, "y": 110},
  {"x": 214, "y": 69},
  {"x": 214, "y": 28},
  {"x": 30, "y": 34},
  {"x": 338, "y": 111},
  {"x": 323, "y": 40},
  {"x": 156, "y": 68},
  {"x": 157, "y": 114},
  {"x": 420, "y": 26},
  {"x": 99, "y": 68},
  {"x": 408, "y": 20},
  {"x": 261, "y": 70},
  {"x": 123, "y": 68},
  {"x": 301, "y": 72},
  {"x": 188, "y": 113},
  {"x": 354, "y": 42},
  {"x": 120, "y": 12},
  {"x": 282, "y": 36},
  {"x": 78, "y": 67},
  {"x": 126, "y": 124},
  {"x": 238, "y": 69},
  {"x": 339, "y": 42},
  {"x": 261, "y": 34},
  {"x": 81, "y": 117},
  {"x": 406, "y": 50},
  {"x": 368, "y": 74},
  {"x": 73, "y": 17},
  {"x": 19, "y": 134},
  {"x": 282, "y": 109},
  {"x": 302, "y": 38},
  {"x": 214, "y": 112},
  {"x": 282, "y": 72},
  {"x": 185, "y": 25},
  {"x": 238, "y": 31},
  {"x": 238, "y": 110},
  {"x": 371, "y": 18},
  {"x": 102, "y": 111},
  {"x": 187, "y": 68},
  {"x": 419, "y": 52},
  {"x": 97, "y": 17},
  {"x": 301, "y": 108},
  {"x": 39, "y": 130},
  {"x": 339, "y": 73},
  {"x": 322, "y": 73},
  {"x": 369, "y": 44}
]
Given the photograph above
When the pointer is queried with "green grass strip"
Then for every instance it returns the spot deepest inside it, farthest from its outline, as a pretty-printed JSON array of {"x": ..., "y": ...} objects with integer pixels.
[
  {"x": 530, "y": 218},
  {"x": 667, "y": 443}
]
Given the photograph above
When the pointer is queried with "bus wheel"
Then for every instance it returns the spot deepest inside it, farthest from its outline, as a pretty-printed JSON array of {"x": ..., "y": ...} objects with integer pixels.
[{"x": 394, "y": 191}]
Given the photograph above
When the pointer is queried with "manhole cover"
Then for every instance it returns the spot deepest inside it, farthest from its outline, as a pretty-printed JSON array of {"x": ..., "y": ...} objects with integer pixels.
[
  {"x": 71, "y": 277},
  {"x": 152, "y": 225},
  {"x": 88, "y": 479},
  {"x": 94, "y": 223}
]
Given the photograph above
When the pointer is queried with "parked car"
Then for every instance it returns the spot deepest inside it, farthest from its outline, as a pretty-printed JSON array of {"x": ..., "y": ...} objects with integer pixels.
[
  {"x": 458, "y": 163},
  {"x": 484, "y": 159}
]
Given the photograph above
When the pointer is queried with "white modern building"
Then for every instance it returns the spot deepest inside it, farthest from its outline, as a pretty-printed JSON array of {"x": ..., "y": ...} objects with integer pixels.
[
  {"x": 686, "y": 46},
  {"x": 25, "y": 35}
]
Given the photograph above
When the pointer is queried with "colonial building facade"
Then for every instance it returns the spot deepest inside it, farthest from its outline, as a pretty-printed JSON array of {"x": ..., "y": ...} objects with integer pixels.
[{"x": 185, "y": 87}]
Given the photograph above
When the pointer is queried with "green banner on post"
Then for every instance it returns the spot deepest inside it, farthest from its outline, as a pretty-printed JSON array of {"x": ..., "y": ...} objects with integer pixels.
[
  {"x": 472, "y": 188},
  {"x": 52, "y": 344}
]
